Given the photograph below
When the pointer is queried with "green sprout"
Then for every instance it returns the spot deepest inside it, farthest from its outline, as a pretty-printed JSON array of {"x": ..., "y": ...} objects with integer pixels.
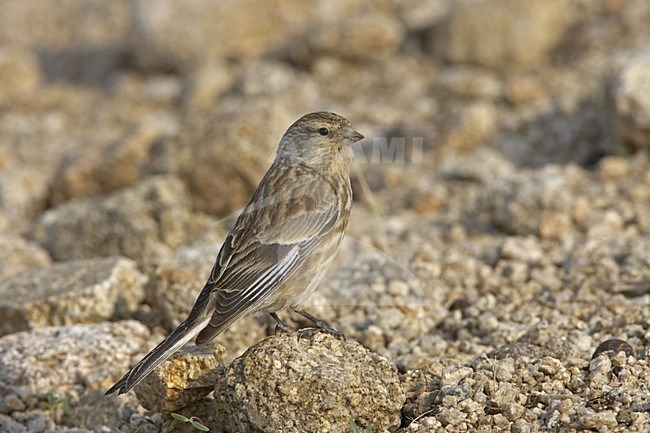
[
  {"x": 136, "y": 430},
  {"x": 355, "y": 429},
  {"x": 54, "y": 402},
  {"x": 194, "y": 421}
]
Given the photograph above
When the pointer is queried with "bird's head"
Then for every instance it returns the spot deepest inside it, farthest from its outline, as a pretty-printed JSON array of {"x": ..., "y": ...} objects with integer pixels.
[{"x": 319, "y": 139}]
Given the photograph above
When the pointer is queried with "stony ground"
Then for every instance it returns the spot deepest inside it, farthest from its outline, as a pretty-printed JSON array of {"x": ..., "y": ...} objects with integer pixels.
[{"x": 496, "y": 272}]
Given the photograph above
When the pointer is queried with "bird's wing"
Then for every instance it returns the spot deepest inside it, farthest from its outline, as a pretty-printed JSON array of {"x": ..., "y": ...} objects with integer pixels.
[{"x": 287, "y": 217}]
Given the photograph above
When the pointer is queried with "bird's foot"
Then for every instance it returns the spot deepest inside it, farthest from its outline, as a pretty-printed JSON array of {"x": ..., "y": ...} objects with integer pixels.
[
  {"x": 321, "y": 326},
  {"x": 310, "y": 332},
  {"x": 280, "y": 325}
]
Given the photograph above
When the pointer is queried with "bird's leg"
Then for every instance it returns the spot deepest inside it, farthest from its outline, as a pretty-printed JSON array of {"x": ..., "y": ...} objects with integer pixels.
[
  {"x": 281, "y": 326},
  {"x": 321, "y": 326}
]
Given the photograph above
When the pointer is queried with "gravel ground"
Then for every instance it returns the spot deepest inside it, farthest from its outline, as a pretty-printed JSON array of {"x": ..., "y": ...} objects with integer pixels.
[{"x": 497, "y": 263}]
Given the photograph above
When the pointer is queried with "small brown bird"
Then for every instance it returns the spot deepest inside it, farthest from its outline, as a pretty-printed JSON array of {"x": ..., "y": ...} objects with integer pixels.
[{"x": 282, "y": 243}]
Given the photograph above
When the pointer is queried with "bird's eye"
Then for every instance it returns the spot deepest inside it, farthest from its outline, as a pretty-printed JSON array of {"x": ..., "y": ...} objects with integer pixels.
[{"x": 324, "y": 132}]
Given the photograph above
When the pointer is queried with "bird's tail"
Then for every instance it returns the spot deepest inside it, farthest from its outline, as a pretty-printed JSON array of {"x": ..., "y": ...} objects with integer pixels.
[{"x": 182, "y": 335}]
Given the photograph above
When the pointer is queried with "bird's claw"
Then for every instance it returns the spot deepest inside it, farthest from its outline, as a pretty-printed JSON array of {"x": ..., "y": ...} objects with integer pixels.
[
  {"x": 310, "y": 332},
  {"x": 281, "y": 327}
]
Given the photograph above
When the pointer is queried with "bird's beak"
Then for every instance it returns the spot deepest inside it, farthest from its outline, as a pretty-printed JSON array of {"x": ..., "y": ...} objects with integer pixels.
[{"x": 353, "y": 136}]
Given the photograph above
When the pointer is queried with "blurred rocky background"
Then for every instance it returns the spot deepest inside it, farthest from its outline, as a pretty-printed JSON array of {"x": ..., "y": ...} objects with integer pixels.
[{"x": 496, "y": 275}]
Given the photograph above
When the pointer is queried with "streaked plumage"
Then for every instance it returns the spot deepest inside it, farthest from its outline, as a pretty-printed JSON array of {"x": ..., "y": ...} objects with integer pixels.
[{"x": 282, "y": 243}]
